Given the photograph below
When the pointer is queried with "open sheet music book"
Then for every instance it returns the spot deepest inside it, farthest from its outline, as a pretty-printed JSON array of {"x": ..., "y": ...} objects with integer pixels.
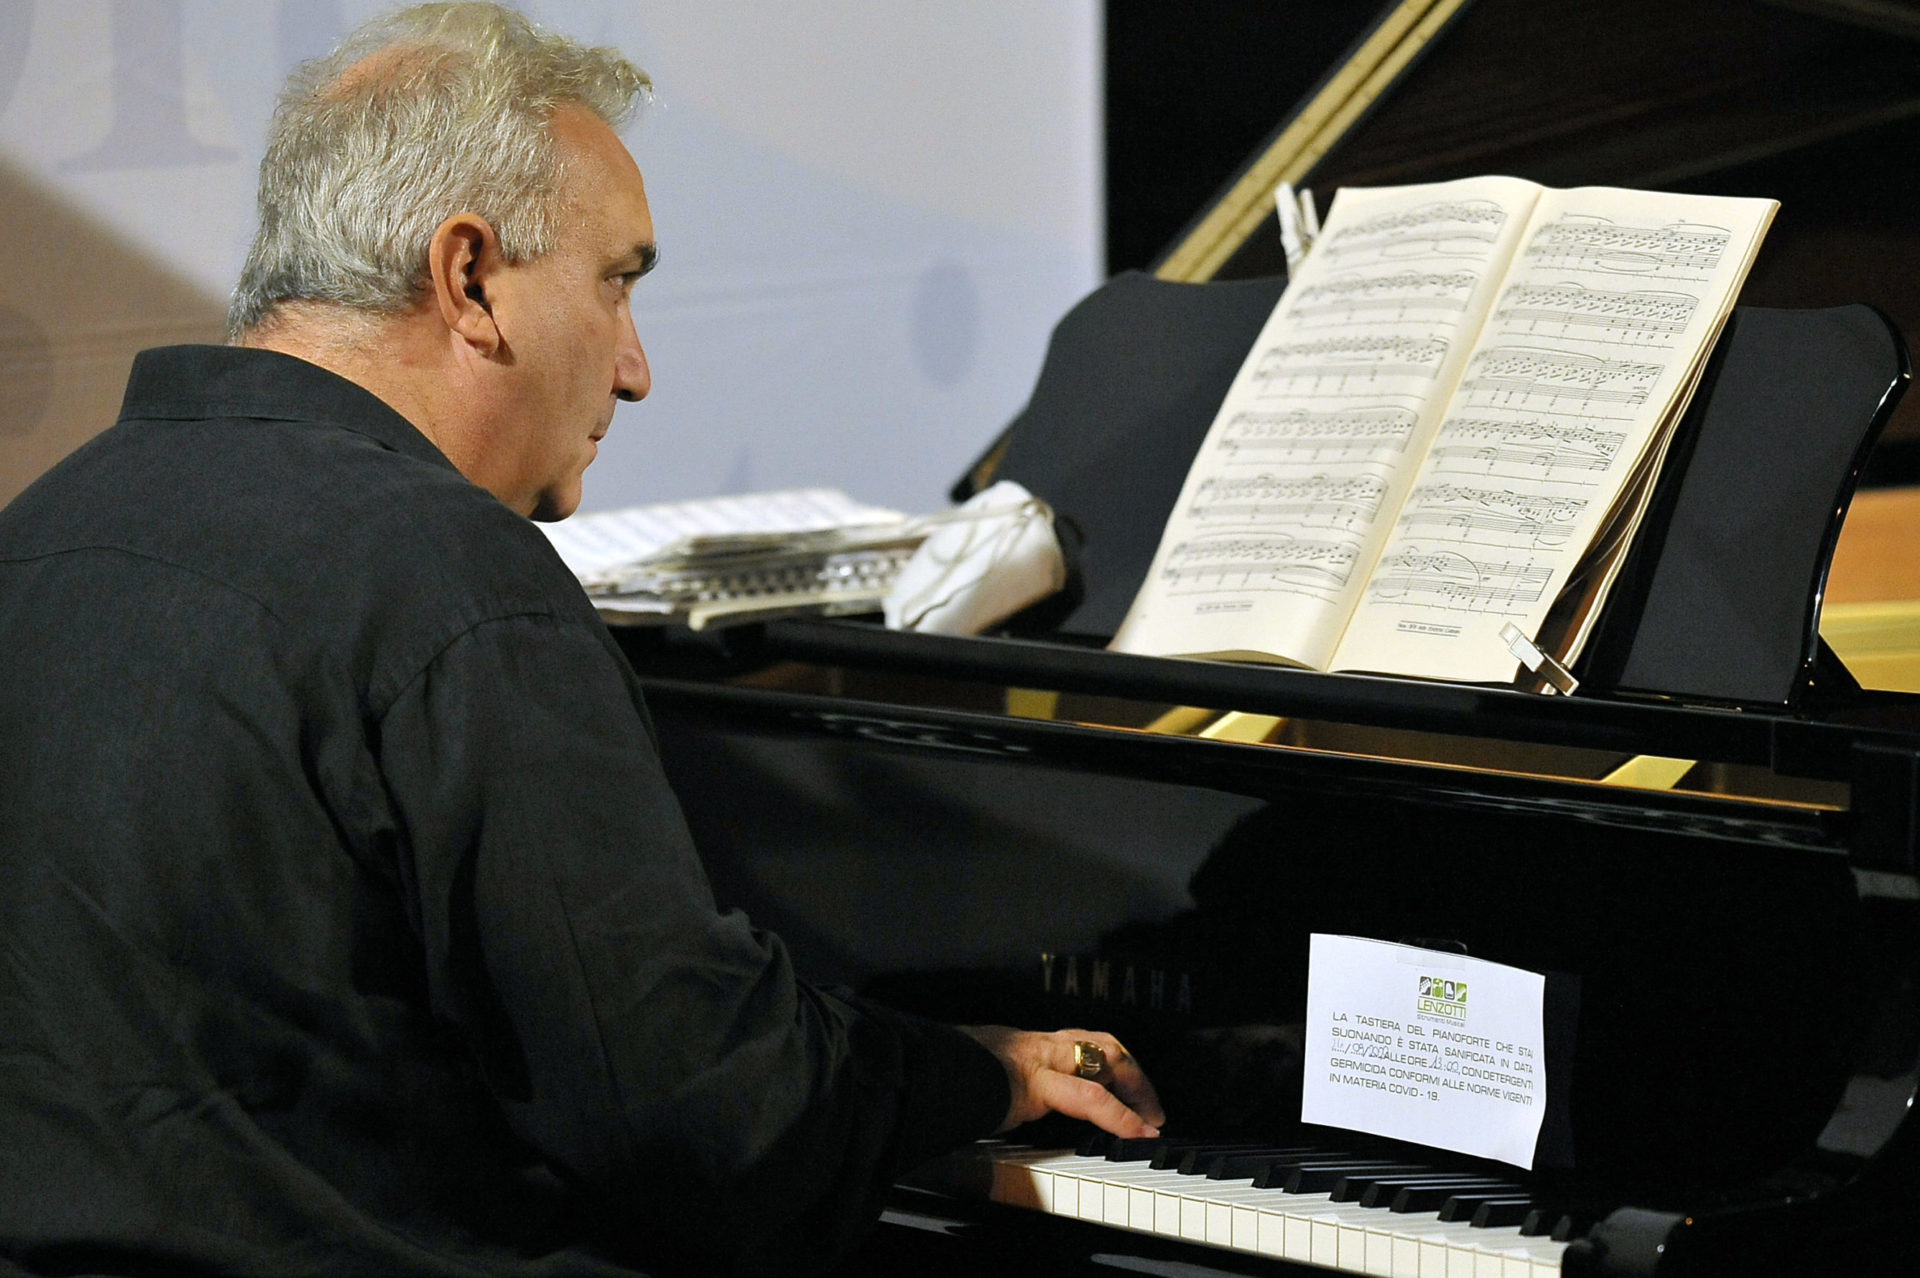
[{"x": 1450, "y": 425}]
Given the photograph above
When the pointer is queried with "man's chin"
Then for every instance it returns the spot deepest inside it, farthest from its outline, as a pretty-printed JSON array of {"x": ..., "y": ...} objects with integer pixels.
[{"x": 551, "y": 506}]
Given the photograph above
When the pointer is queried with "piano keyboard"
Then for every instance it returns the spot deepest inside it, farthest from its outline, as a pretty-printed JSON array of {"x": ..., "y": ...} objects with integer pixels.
[{"x": 1359, "y": 1214}]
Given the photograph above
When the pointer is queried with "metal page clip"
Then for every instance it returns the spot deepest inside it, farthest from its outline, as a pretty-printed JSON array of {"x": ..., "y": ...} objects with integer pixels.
[
  {"x": 1527, "y": 653},
  {"x": 1299, "y": 222}
]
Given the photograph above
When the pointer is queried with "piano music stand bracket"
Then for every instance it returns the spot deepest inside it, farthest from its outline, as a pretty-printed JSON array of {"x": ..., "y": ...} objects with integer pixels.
[{"x": 1719, "y": 600}]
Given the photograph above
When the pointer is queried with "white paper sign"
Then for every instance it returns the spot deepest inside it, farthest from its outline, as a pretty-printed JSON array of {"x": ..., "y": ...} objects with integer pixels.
[{"x": 1425, "y": 1046}]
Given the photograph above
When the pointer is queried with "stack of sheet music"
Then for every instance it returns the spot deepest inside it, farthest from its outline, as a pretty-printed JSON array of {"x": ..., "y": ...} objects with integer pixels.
[{"x": 726, "y": 560}]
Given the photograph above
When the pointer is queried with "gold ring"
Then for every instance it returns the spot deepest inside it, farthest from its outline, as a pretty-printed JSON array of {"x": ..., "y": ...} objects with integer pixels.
[{"x": 1089, "y": 1059}]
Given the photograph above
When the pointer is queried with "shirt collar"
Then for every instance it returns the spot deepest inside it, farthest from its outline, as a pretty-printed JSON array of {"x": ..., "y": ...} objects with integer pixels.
[{"x": 203, "y": 382}]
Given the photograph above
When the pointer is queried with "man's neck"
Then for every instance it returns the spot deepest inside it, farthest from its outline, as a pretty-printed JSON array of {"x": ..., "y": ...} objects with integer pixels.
[{"x": 378, "y": 353}]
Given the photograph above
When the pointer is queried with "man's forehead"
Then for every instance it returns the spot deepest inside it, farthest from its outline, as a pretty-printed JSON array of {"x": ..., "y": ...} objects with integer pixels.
[
  {"x": 602, "y": 178},
  {"x": 588, "y": 141}
]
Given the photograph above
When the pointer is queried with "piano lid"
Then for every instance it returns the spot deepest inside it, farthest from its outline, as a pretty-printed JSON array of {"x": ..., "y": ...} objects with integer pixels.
[
  {"x": 1701, "y": 95},
  {"x": 1726, "y": 97}
]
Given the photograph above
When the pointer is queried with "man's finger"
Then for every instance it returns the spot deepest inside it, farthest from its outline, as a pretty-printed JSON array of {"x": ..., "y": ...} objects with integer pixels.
[
  {"x": 1121, "y": 1072},
  {"x": 1084, "y": 1098}
]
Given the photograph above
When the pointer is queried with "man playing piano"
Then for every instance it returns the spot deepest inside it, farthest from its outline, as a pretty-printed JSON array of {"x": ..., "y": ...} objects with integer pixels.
[{"x": 346, "y": 921}]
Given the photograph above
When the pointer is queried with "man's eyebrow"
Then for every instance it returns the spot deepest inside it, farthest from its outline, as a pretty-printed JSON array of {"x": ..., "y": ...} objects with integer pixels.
[{"x": 649, "y": 254}]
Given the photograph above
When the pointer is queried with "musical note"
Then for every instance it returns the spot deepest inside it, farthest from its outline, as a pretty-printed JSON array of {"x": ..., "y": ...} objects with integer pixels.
[
  {"x": 1346, "y": 359},
  {"x": 1357, "y": 299},
  {"x": 1441, "y": 228},
  {"x": 1526, "y": 444},
  {"x": 1502, "y": 374},
  {"x": 1348, "y": 435},
  {"x": 1258, "y": 563},
  {"x": 1456, "y": 583},
  {"x": 1570, "y": 308},
  {"x": 1319, "y": 500},
  {"x": 1601, "y": 244},
  {"x": 1497, "y": 516}
]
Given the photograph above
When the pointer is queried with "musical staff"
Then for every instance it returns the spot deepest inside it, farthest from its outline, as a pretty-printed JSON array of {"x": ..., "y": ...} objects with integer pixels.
[
  {"x": 1440, "y": 228},
  {"x": 1456, "y": 583},
  {"x": 1259, "y": 564},
  {"x": 1318, "y": 501},
  {"x": 1501, "y": 446},
  {"x": 1677, "y": 249},
  {"x": 1571, "y": 309},
  {"x": 1504, "y": 374},
  {"x": 1343, "y": 360},
  {"x": 1365, "y": 434},
  {"x": 1369, "y": 299},
  {"x": 1492, "y": 516}
]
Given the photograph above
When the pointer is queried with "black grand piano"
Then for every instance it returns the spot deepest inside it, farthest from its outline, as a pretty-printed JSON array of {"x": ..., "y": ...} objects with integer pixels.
[{"x": 1025, "y": 827}]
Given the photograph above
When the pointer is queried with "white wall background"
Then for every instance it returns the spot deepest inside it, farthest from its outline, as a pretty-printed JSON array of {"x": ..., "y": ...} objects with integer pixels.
[{"x": 871, "y": 212}]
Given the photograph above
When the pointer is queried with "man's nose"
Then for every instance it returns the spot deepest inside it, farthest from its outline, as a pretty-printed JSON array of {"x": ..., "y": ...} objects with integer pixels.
[{"x": 632, "y": 378}]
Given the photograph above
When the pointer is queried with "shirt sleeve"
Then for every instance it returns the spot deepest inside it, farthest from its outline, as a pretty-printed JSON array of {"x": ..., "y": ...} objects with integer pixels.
[{"x": 656, "y": 1052}]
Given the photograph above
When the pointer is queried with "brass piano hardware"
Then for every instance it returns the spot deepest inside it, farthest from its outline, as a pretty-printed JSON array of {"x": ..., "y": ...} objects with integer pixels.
[
  {"x": 1033, "y": 703},
  {"x": 1649, "y": 772},
  {"x": 1183, "y": 721},
  {"x": 1252, "y": 729},
  {"x": 1320, "y": 737},
  {"x": 1218, "y": 725},
  {"x": 1367, "y": 74}
]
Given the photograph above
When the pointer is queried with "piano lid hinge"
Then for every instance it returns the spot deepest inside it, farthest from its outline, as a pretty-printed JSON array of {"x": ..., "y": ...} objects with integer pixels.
[{"x": 1885, "y": 807}]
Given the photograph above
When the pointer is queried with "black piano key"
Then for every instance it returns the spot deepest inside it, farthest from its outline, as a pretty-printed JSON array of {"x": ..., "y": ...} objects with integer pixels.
[
  {"x": 1179, "y": 1154},
  {"x": 1495, "y": 1213},
  {"x": 1238, "y": 1166},
  {"x": 1131, "y": 1149},
  {"x": 1274, "y": 1174},
  {"x": 1409, "y": 1199},
  {"x": 1096, "y": 1145},
  {"x": 1571, "y": 1225},
  {"x": 1373, "y": 1189},
  {"x": 1539, "y": 1222},
  {"x": 1276, "y": 1171},
  {"x": 1320, "y": 1178}
]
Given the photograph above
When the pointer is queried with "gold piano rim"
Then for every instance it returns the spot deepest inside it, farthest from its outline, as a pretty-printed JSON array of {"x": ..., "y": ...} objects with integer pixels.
[
  {"x": 1640, "y": 772},
  {"x": 1603, "y": 770},
  {"x": 1314, "y": 130}
]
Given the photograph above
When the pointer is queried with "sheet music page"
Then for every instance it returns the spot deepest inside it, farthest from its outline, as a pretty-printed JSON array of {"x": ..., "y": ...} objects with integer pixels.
[
  {"x": 1293, "y": 490},
  {"x": 1605, "y": 318}
]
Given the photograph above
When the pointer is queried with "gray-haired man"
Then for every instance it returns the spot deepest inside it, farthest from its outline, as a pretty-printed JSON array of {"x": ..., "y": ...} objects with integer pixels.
[{"x": 346, "y": 921}]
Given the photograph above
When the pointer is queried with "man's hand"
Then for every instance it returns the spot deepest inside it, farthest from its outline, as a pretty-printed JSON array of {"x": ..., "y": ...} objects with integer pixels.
[{"x": 1040, "y": 1068}]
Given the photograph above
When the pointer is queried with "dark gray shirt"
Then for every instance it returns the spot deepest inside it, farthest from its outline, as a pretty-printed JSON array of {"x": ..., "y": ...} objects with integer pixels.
[{"x": 347, "y": 923}]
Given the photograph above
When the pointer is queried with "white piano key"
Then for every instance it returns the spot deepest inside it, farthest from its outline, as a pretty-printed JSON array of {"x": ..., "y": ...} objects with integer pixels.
[
  {"x": 1219, "y": 1223},
  {"x": 1401, "y": 1237},
  {"x": 1233, "y": 1214},
  {"x": 1193, "y": 1218},
  {"x": 1272, "y": 1236}
]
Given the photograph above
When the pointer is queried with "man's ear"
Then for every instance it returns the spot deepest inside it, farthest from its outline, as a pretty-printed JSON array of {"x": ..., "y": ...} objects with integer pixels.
[{"x": 462, "y": 258}]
